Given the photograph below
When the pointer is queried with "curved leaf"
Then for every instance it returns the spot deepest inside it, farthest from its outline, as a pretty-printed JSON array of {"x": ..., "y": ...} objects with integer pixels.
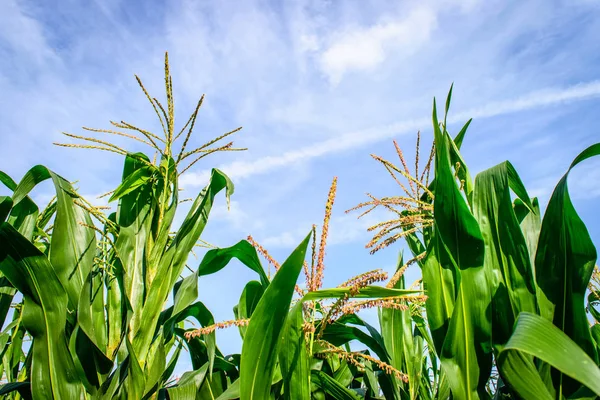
[
  {"x": 538, "y": 337},
  {"x": 73, "y": 243},
  {"x": 53, "y": 374},
  {"x": 333, "y": 387},
  {"x": 564, "y": 263}
]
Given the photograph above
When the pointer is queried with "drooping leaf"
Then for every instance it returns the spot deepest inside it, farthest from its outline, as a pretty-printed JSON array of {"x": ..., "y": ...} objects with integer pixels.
[
  {"x": 536, "y": 336},
  {"x": 73, "y": 243}
]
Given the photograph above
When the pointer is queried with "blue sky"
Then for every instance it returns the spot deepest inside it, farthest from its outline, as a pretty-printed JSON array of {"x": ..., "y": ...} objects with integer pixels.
[{"x": 318, "y": 86}]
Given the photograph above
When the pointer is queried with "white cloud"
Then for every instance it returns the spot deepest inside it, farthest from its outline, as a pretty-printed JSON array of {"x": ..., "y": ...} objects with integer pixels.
[
  {"x": 23, "y": 34},
  {"x": 538, "y": 99},
  {"x": 363, "y": 49}
]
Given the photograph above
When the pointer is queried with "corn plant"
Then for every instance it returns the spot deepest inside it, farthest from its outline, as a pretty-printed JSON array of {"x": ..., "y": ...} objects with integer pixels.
[
  {"x": 506, "y": 287},
  {"x": 93, "y": 285},
  {"x": 499, "y": 312}
]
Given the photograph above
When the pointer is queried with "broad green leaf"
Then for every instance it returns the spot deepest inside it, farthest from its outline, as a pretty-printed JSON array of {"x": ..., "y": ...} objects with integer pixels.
[
  {"x": 466, "y": 352},
  {"x": 138, "y": 178},
  {"x": 333, "y": 387},
  {"x": 173, "y": 260},
  {"x": 260, "y": 347},
  {"x": 53, "y": 375},
  {"x": 202, "y": 314},
  {"x": 23, "y": 214},
  {"x": 232, "y": 392},
  {"x": 530, "y": 221},
  {"x": 171, "y": 364},
  {"x": 506, "y": 252},
  {"x": 134, "y": 216},
  {"x": 216, "y": 259},
  {"x": 213, "y": 261},
  {"x": 5, "y": 207},
  {"x": 564, "y": 263},
  {"x": 7, "y": 293},
  {"x": 397, "y": 333},
  {"x": 90, "y": 313},
  {"x": 73, "y": 243},
  {"x": 293, "y": 357},
  {"x": 23, "y": 388},
  {"x": 188, "y": 385},
  {"x": 536, "y": 336},
  {"x": 136, "y": 378}
]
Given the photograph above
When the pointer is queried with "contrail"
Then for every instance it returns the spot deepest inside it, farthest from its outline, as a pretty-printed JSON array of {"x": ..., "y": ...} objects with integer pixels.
[{"x": 548, "y": 97}]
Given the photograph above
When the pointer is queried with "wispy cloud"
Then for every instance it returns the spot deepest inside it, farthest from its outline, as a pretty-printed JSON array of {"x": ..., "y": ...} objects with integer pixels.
[
  {"x": 538, "y": 99},
  {"x": 307, "y": 79},
  {"x": 364, "y": 49}
]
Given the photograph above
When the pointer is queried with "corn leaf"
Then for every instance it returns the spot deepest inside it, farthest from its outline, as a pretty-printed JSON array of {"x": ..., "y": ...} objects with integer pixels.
[
  {"x": 466, "y": 352},
  {"x": 260, "y": 347},
  {"x": 53, "y": 375},
  {"x": 333, "y": 387},
  {"x": 293, "y": 357},
  {"x": 173, "y": 260},
  {"x": 536, "y": 336},
  {"x": 73, "y": 243},
  {"x": 506, "y": 252}
]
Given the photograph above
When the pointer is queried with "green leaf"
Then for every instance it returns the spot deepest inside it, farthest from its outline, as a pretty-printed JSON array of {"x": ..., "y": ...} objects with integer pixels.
[
  {"x": 188, "y": 385},
  {"x": 506, "y": 251},
  {"x": 134, "y": 216},
  {"x": 466, "y": 351},
  {"x": 138, "y": 178},
  {"x": 232, "y": 392},
  {"x": 216, "y": 259},
  {"x": 5, "y": 207},
  {"x": 136, "y": 378},
  {"x": 251, "y": 295},
  {"x": 73, "y": 243},
  {"x": 23, "y": 214},
  {"x": 530, "y": 221},
  {"x": 53, "y": 375},
  {"x": 564, "y": 263},
  {"x": 538, "y": 337},
  {"x": 293, "y": 357},
  {"x": 173, "y": 260},
  {"x": 333, "y": 387},
  {"x": 364, "y": 293},
  {"x": 202, "y": 314},
  {"x": 397, "y": 334},
  {"x": 260, "y": 347},
  {"x": 23, "y": 388}
]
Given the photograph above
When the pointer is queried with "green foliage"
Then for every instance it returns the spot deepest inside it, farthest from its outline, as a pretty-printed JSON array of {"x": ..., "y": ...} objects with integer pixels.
[{"x": 502, "y": 310}]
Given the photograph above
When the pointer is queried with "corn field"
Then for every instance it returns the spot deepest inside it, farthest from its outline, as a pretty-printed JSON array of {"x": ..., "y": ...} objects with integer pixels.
[{"x": 97, "y": 305}]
